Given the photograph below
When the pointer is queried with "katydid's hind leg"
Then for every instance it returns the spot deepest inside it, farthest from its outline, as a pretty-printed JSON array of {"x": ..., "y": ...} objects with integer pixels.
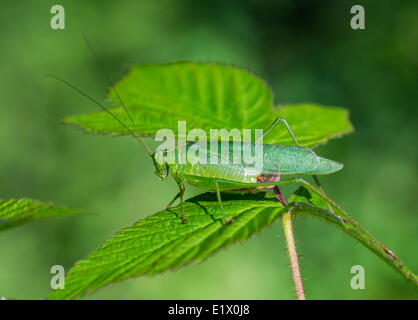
[
  {"x": 323, "y": 192},
  {"x": 315, "y": 177},
  {"x": 320, "y": 193},
  {"x": 218, "y": 195},
  {"x": 273, "y": 178},
  {"x": 275, "y": 123},
  {"x": 278, "y": 195}
]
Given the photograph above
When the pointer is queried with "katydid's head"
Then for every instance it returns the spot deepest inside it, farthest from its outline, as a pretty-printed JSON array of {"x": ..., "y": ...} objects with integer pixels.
[{"x": 161, "y": 166}]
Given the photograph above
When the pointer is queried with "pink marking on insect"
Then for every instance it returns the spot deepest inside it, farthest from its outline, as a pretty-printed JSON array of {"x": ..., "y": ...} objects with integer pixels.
[{"x": 272, "y": 178}]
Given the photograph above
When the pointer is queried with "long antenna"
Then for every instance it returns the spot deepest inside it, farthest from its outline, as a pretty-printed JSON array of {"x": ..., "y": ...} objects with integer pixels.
[
  {"x": 102, "y": 107},
  {"x": 116, "y": 93}
]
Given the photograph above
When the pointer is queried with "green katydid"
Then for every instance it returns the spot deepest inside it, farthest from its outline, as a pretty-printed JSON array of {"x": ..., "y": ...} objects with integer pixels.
[
  {"x": 289, "y": 161},
  {"x": 278, "y": 161}
]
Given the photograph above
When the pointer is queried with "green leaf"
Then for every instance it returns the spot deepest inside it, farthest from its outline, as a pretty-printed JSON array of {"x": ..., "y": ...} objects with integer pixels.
[
  {"x": 311, "y": 203},
  {"x": 14, "y": 212},
  {"x": 209, "y": 96},
  {"x": 161, "y": 241}
]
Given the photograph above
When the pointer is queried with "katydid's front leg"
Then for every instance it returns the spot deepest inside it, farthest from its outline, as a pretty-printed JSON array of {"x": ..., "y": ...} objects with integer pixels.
[
  {"x": 179, "y": 195},
  {"x": 218, "y": 195},
  {"x": 181, "y": 202}
]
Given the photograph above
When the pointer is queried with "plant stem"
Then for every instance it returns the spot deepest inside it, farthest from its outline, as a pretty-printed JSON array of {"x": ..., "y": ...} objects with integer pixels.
[{"x": 293, "y": 257}]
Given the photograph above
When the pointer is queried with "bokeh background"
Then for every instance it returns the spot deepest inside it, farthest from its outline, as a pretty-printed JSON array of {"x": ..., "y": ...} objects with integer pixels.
[{"x": 306, "y": 50}]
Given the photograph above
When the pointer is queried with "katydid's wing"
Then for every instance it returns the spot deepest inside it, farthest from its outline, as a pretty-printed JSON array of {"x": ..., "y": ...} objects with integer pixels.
[
  {"x": 289, "y": 160},
  {"x": 326, "y": 166},
  {"x": 260, "y": 158}
]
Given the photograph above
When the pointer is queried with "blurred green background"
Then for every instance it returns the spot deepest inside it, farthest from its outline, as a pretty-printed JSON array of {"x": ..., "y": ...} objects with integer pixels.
[{"x": 306, "y": 50}]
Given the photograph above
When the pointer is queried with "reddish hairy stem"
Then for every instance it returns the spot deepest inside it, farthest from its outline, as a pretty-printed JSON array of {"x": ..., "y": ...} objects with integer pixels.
[
  {"x": 291, "y": 247},
  {"x": 293, "y": 257}
]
